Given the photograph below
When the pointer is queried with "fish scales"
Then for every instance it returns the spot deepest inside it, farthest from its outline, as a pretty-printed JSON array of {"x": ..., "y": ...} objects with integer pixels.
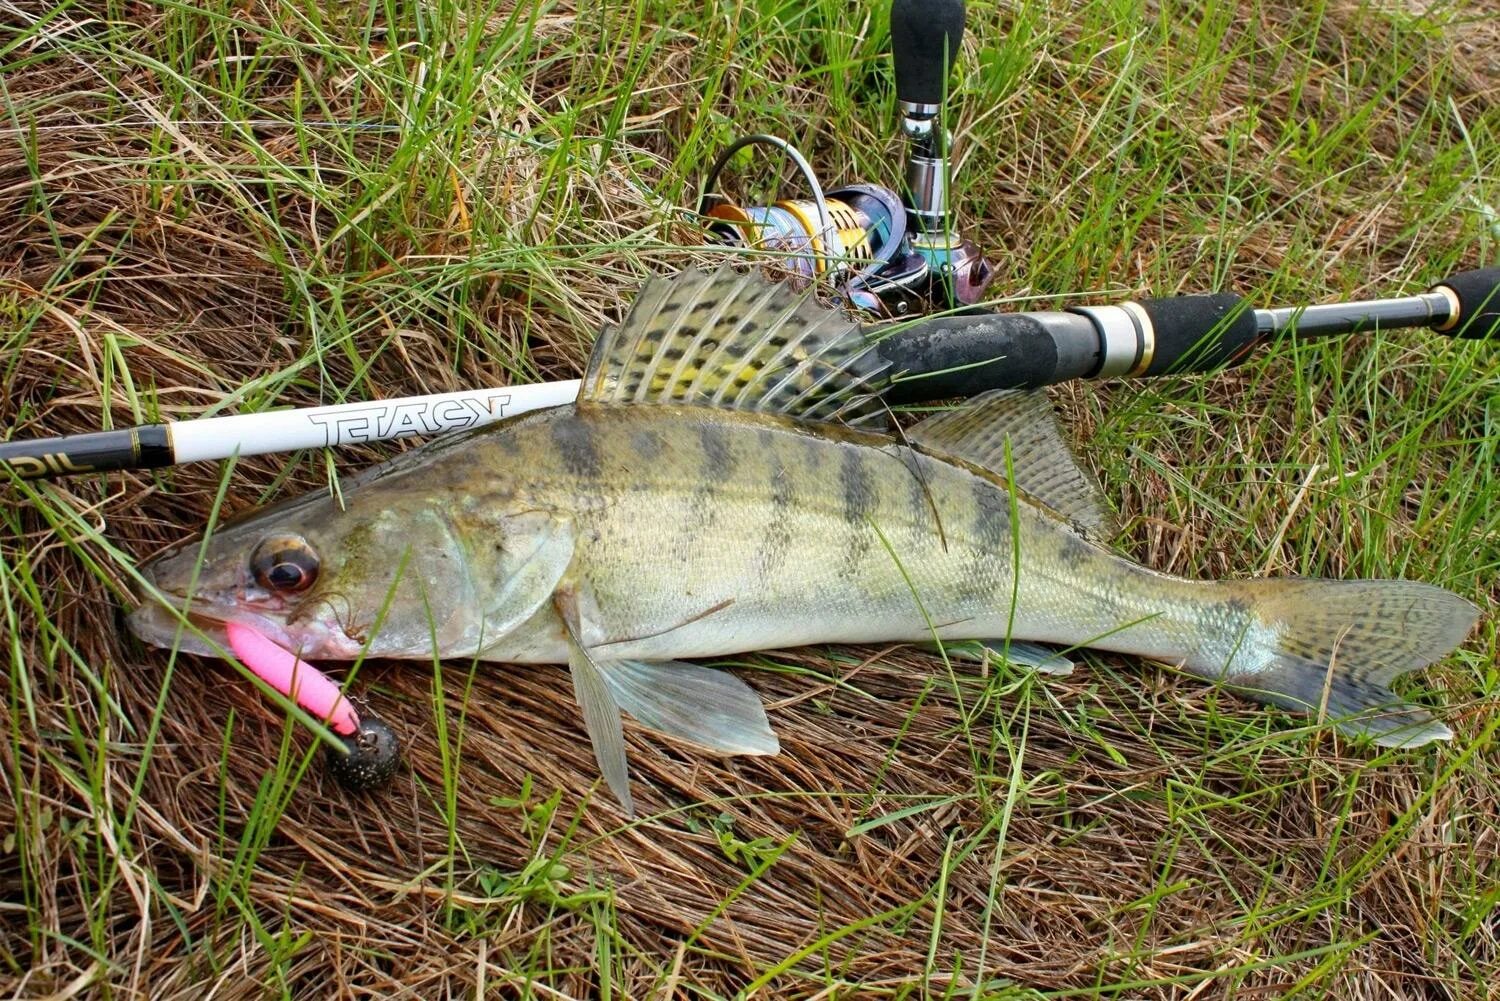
[{"x": 729, "y": 531}]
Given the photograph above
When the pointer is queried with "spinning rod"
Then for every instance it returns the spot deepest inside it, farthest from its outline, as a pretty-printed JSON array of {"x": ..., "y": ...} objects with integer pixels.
[
  {"x": 888, "y": 255},
  {"x": 932, "y": 358}
]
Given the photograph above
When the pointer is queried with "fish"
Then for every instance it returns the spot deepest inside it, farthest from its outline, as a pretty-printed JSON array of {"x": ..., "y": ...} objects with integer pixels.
[{"x": 730, "y": 480}]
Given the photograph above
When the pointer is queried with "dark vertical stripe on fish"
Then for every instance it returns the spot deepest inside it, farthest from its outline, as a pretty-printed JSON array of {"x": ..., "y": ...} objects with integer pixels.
[
  {"x": 577, "y": 444},
  {"x": 812, "y": 451},
  {"x": 1073, "y": 552},
  {"x": 776, "y": 545},
  {"x": 718, "y": 457},
  {"x": 702, "y": 509},
  {"x": 647, "y": 444},
  {"x": 857, "y": 485},
  {"x": 919, "y": 501},
  {"x": 990, "y": 530}
]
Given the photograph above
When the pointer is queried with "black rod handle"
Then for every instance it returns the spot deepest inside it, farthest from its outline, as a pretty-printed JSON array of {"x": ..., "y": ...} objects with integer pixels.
[
  {"x": 925, "y": 35},
  {"x": 946, "y": 356},
  {"x": 1477, "y": 296},
  {"x": 1198, "y": 333}
]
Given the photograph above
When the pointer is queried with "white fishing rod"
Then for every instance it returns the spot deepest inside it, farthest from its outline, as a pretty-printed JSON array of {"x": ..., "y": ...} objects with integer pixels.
[{"x": 151, "y": 446}]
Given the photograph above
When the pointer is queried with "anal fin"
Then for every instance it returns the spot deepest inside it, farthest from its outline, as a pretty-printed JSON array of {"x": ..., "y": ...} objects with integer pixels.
[{"x": 1031, "y": 656}]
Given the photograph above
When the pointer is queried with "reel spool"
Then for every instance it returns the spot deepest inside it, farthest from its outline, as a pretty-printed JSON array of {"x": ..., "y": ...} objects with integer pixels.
[{"x": 854, "y": 237}]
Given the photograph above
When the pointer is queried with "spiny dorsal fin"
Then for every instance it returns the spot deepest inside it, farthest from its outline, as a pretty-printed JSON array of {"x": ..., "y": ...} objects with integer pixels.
[
  {"x": 740, "y": 342},
  {"x": 1043, "y": 464}
]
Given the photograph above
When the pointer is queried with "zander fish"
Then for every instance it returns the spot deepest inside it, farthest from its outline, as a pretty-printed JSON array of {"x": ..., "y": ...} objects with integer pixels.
[{"x": 723, "y": 484}]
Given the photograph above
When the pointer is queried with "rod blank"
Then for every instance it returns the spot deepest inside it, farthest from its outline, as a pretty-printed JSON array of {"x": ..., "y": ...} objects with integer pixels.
[
  {"x": 155, "y": 445},
  {"x": 1429, "y": 309}
]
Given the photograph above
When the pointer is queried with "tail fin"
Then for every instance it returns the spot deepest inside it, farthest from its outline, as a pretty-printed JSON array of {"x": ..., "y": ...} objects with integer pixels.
[{"x": 1339, "y": 644}]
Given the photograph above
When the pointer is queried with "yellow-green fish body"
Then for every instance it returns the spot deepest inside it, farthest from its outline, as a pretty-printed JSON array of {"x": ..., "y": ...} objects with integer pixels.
[
  {"x": 705, "y": 532},
  {"x": 707, "y": 495}
]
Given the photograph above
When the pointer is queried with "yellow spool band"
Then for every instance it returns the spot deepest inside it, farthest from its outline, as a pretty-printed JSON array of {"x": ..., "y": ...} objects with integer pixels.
[
  {"x": 851, "y": 235},
  {"x": 806, "y": 213}
]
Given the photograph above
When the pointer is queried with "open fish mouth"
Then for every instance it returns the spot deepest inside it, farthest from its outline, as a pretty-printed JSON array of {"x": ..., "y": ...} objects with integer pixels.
[
  {"x": 166, "y": 619},
  {"x": 197, "y": 628},
  {"x": 259, "y": 642}
]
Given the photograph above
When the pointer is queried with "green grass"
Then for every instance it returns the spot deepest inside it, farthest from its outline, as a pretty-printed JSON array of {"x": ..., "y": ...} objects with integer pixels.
[{"x": 226, "y": 207}]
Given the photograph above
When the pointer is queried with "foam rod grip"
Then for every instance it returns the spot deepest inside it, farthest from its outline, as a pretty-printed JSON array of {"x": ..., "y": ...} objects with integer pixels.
[
  {"x": 1478, "y": 294},
  {"x": 925, "y": 35},
  {"x": 1199, "y": 333},
  {"x": 940, "y": 357}
]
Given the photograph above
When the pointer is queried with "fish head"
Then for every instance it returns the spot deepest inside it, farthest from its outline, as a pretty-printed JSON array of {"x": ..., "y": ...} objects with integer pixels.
[{"x": 385, "y": 573}]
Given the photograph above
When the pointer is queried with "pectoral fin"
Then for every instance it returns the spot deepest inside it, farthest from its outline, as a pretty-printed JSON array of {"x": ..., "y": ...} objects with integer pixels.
[
  {"x": 708, "y": 707},
  {"x": 705, "y": 706},
  {"x": 601, "y": 713}
]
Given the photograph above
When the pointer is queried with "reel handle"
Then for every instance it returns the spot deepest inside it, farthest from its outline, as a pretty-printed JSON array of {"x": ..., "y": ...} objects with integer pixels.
[
  {"x": 925, "y": 36},
  {"x": 1477, "y": 296}
]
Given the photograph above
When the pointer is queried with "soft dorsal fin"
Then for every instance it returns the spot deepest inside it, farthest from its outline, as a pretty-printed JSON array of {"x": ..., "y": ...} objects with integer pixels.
[
  {"x": 740, "y": 342},
  {"x": 1043, "y": 465}
]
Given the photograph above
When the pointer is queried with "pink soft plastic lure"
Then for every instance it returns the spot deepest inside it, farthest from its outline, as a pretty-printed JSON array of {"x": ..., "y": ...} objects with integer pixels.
[{"x": 309, "y": 687}]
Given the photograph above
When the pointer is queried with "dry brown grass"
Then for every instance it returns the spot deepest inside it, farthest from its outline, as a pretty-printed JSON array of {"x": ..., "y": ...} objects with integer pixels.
[{"x": 133, "y": 228}]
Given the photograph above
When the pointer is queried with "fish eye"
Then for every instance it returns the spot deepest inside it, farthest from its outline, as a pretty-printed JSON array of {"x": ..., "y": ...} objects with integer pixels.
[{"x": 284, "y": 563}]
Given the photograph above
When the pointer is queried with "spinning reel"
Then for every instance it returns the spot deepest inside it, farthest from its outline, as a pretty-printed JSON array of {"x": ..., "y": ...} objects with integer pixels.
[
  {"x": 889, "y": 254},
  {"x": 900, "y": 255}
]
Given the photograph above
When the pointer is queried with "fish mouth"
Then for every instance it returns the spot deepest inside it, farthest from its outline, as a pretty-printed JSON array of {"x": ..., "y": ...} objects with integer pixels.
[
  {"x": 258, "y": 642},
  {"x": 169, "y": 621}
]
